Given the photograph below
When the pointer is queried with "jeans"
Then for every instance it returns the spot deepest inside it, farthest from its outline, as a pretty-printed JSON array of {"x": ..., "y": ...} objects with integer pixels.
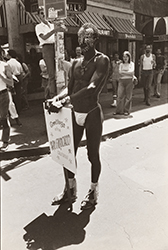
[
  {"x": 17, "y": 97},
  {"x": 114, "y": 88},
  {"x": 124, "y": 99},
  {"x": 4, "y": 105},
  {"x": 48, "y": 51},
  {"x": 157, "y": 81},
  {"x": 12, "y": 108},
  {"x": 93, "y": 126},
  {"x": 147, "y": 78}
]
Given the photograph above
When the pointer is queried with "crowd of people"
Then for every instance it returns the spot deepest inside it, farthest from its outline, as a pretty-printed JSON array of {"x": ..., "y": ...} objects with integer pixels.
[
  {"x": 123, "y": 79},
  {"x": 85, "y": 77}
]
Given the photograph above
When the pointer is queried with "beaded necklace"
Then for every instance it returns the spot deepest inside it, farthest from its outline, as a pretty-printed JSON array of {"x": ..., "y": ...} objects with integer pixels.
[{"x": 84, "y": 67}]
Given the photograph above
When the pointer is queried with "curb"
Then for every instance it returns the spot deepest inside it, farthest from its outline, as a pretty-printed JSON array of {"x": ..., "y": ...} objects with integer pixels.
[{"x": 8, "y": 155}]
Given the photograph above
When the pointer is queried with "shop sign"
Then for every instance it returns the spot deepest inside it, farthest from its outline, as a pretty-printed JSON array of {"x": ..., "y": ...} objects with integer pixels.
[
  {"x": 60, "y": 136},
  {"x": 130, "y": 36},
  {"x": 161, "y": 38},
  {"x": 104, "y": 32},
  {"x": 75, "y": 7},
  {"x": 55, "y": 9}
]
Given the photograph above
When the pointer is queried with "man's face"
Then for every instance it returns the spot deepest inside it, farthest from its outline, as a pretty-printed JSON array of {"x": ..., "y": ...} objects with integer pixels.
[
  {"x": 86, "y": 39},
  {"x": 41, "y": 14},
  {"x": 158, "y": 52},
  {"x": 148, "y": 49},
  {"x": 78, "y": 51},
  {"x": 116, "y": 57}
]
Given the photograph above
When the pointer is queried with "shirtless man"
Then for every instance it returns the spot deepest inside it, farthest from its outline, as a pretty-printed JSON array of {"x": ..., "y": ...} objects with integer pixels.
[{"x": 88, "y": 77}]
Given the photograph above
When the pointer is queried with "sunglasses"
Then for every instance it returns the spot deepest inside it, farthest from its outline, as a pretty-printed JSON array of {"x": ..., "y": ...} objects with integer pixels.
[{"x": 41, "y": 13}]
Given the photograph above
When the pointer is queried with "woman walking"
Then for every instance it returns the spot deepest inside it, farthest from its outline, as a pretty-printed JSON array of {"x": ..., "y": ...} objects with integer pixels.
[
  {"x": 125, "y": 87},
  {"x": 5, "y": 80}
]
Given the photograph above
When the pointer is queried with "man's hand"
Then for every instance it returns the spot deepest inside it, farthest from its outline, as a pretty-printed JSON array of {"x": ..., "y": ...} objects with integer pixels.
[
  {"x": 60, "y": 26},
  {"x": 55, "y": 107}
]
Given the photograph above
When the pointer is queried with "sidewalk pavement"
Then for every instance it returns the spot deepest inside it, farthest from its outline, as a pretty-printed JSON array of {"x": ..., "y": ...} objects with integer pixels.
[
  {"x": 32, "y": 135},
  {"x": 132, "y": 210}
]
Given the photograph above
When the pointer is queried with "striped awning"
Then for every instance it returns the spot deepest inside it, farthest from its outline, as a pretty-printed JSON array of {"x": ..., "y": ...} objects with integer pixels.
[
  {"x": 124, "y": 28},
  {"x": 97, "y": 20},
  {"x": 69, "y": 21}
]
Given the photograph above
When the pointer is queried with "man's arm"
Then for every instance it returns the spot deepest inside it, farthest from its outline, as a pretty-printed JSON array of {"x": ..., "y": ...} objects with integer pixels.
[
  {"x": 7, "y": 77},
  {"x": 59, "y": 27},
  {"x": 97, "y": 81}
]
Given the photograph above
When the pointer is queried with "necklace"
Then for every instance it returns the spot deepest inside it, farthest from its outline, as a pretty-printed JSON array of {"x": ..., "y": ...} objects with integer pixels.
[{"x": 84, "y": 67}]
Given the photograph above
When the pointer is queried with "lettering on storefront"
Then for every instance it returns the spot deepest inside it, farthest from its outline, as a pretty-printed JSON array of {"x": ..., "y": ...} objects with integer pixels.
[
  {"x": 75, "y": 7},
  {"x": 104, "y": 32},
  {"x": 130, "y": 36},
  {"x": 161, "y": 38}
]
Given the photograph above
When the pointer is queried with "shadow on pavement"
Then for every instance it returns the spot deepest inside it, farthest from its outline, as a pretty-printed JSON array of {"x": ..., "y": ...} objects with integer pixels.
[
  {"x": 64, "y": 228},
  {"x": 15, "y": 164}
]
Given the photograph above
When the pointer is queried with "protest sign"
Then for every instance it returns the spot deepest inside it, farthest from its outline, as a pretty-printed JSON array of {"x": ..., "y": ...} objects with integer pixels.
[{"x": 60, "y": 135}]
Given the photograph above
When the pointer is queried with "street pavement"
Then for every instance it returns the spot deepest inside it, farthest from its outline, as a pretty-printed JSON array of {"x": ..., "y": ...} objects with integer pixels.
[
  {"x": 33, "y": 134},
  {"x": 132, "y": 212}
]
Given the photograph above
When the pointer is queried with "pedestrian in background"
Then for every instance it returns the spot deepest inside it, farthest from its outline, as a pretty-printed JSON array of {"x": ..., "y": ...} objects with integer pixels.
[
  {"x": 45, "y": 33},
  {"x": 147, "y": 65},
  {"x": 158, "y": 73},
  {"x": 12, "y": 109},
  {"x": 115, "y": 77},
  {"x": 17, "y": 71},
  {"x": 125, "y": 86},
  {"x": 5, "y": 81},
  {"x": 25, "y": 81},
  {"x": 45, "y": 79}
]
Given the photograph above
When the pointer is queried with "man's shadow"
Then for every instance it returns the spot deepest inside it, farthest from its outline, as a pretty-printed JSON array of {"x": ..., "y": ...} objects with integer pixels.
[{"x": 53, "y": 232}]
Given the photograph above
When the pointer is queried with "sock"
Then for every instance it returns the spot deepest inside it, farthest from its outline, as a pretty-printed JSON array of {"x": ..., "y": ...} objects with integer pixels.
[
  {"x": 95, "y": 187},
  {"x": 72, "y": 183}
]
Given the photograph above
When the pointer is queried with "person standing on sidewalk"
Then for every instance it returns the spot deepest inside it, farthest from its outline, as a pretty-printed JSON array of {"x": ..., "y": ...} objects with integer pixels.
[
  {"x": 25, "y": 81},
  {"x": 125, "y": 87},
  {"x": 158, "y": 73},
  {"x": 12, "y": 109},
  {"x": 147, "y": 65},
  {"x": 115, "y": 77},
  {"x": 45, "y": 33},
  {"x": 17, "y": 71},
  {"x": 88, "y": 76},
  {"x": 45, "y": 78},
  {"x": 5, "y": 81}
]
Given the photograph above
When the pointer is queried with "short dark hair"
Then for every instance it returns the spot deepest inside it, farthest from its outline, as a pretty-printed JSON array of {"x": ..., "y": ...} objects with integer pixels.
[
  {"x": 116, "y": 53},
  {"x": 41, "y": 8},
  {"x": 86, "y": 26},
  {"x": 12, "y": 53}
]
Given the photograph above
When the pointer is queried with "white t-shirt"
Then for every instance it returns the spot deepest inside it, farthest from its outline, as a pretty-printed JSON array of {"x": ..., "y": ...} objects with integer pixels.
[
  {"x": 147, "y": 62},
  {"x": 43, "y": 28},
  {"x": 127, "y": 70},
  {"x": 15, "y": 66},
  {"x": 43, "y": 68},
  {"x": 2, "y": 71}
]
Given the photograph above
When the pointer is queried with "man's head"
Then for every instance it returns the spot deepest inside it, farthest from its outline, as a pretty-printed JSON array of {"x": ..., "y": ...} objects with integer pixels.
[
  {"x": 148, "y": 49},
  {"x": 88, "y": 34},
  {"x": 78, "y": 51},
  {"x": 41, "y": 13},
  {"x": 116, "y": 55},
  {"x": 158, "y": 52}
]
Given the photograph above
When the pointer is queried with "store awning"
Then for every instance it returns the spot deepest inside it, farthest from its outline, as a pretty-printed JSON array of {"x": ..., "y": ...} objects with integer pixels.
[
  {"x": 97, "y": 20},
  {"x": 124, "y": 28}
]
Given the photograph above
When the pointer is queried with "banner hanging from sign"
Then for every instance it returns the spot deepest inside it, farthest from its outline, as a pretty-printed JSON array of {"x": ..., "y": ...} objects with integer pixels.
[{"x": 60, "y": 136}]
